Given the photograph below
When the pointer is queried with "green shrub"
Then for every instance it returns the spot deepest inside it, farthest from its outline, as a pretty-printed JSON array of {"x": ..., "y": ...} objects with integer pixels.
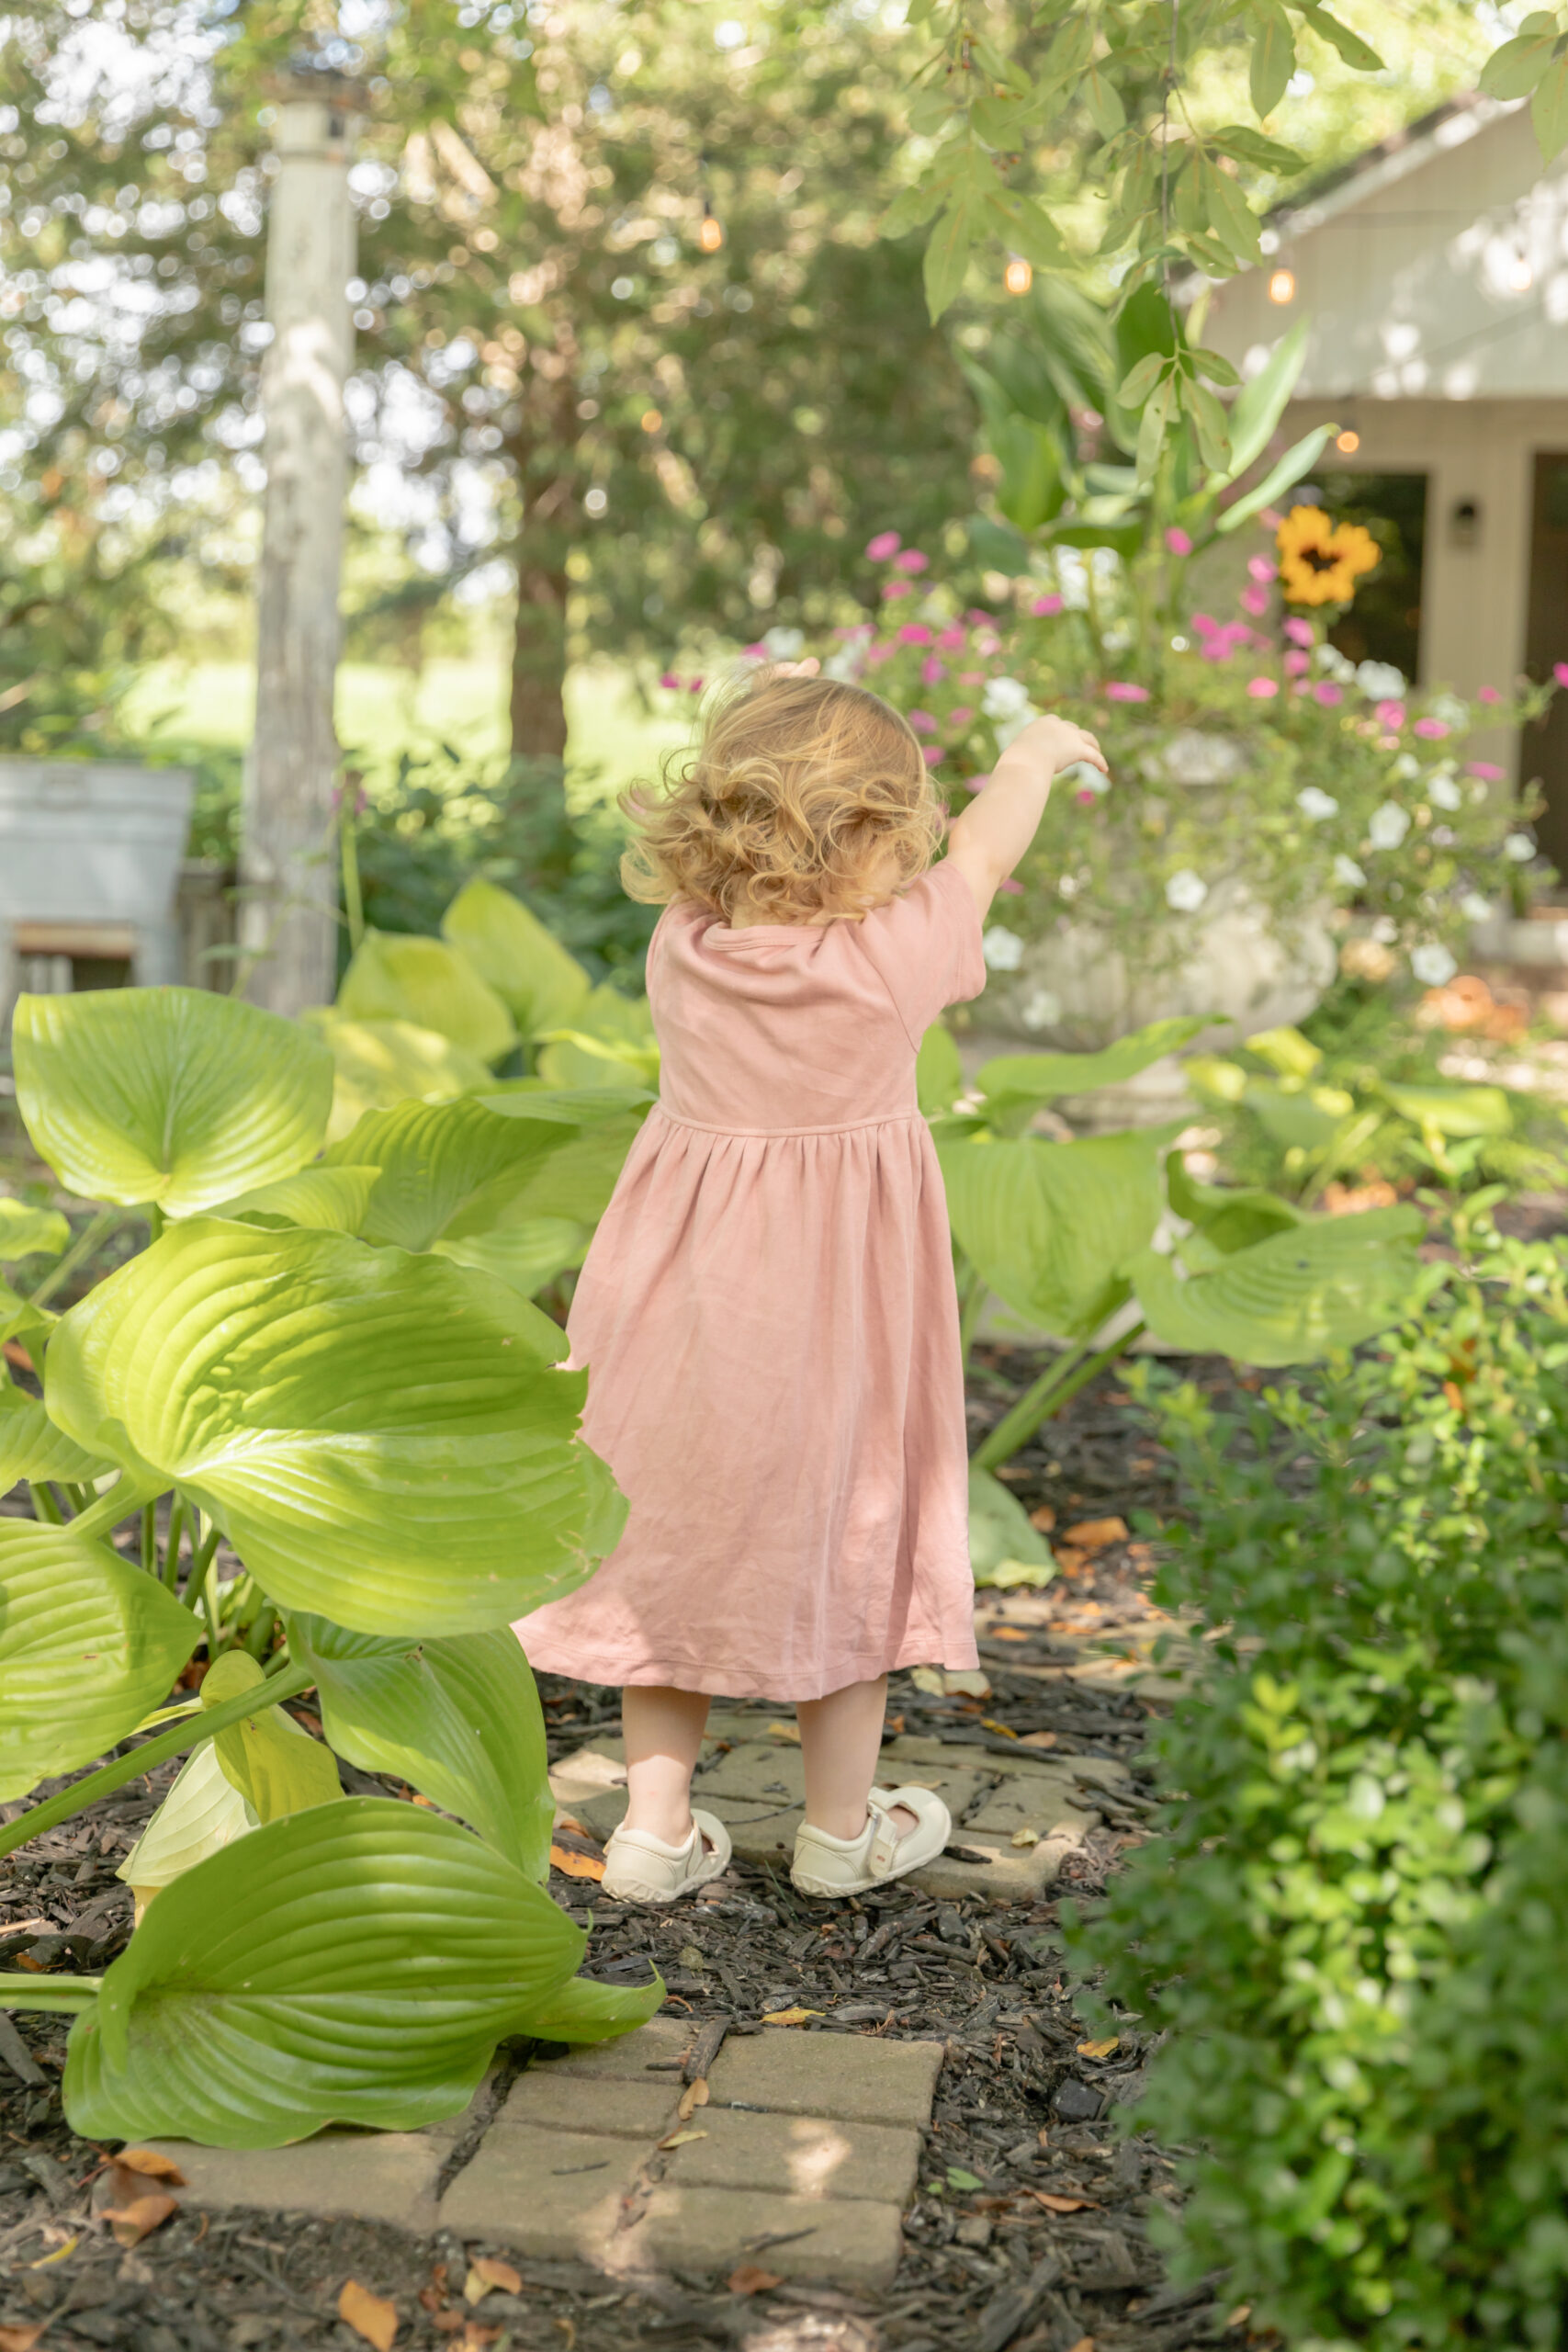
[{"x": 1354, "y": 1918}]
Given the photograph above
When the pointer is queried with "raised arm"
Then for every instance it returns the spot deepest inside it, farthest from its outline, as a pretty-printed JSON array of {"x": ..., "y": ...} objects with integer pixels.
[{"x": 987, "y": 842}]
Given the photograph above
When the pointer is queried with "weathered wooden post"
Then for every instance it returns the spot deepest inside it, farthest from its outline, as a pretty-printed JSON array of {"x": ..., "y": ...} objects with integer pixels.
[{"x": 288, "y": 863}]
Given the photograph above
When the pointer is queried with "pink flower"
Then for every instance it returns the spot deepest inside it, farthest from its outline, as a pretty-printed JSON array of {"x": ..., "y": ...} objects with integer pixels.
[
  {"x": 1254, "y": 601},
  {"x": 922, "y": 722},
  {"x": 959, "y": 715},
  {"x": 914, "y": 633},
  {"x": 886, "y": 543},
  {"x": 971, "y": 677},
  {"x": 1389, "y": 715},
  {"x": 932, "y": 671},
  {"x": 1120, "y": 690},
  {"x": 1485, "y": 771},
  {"x": 1296, "y": 664},
  {"x": 1431, "y": 729},
  {"x": 1488, "y": 694},
  {"x": 1014, "y": 889},
  {"x": 758, "y": 652},
  {"x": 1560, "y": 671},
  {"x": 977, "y": 618},
  {"x": 912, "y": 561},
  {"x": 693, "y": 686},
  {"x": 1178, "y": 541},
  {"x": 951, "y": 640},
  {"x": 670, "y": 679},
  {"x": 1084, "y": 797},
  {"x": 933, "y": 754},
  {"x": 1271, "y": 520},
  {"x": 1205, "y": 624},
  {"x": 1043, "y": 606},
  {"x": 1259, "y": 568},
  {"x": 987, "y": 643},
  {"x": 1296, "y": 630},
  {"x": 878, "y": 654},
  {"x": 894, "y": 588},
  {"x": 1263, "y": 689},
  {"x": 977, "y": 783},
  {"x": 1327, "y": 693}
]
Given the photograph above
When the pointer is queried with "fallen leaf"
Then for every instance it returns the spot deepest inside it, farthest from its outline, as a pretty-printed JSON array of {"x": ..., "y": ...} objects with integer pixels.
[
  {"x": 785, "y": 1731},
  {"x": 791, "y": 2016},
  {"x": 680, "y": 2139},
  {"x": 1099, "y": 2048},
  {"x": 447, "y": 2319},
  {"x": 1071, "y": 1560},
  {"x": 155, "y": 2167},
  {"x": 576, "y": 1865},
  {"x": 369, "y": 2315},
  {"x": 569, "y": 1821},
  {"x": 967, "y": 1683},
  {"x": 1043, "y": 1518},
  {"x": 21, "y": 2340},
  {"x": 1038, "y": 1739},
  {"x": 59, "y": 2253},
  {"x": 1025, "y": 1837},
  {"x": 895, "y": 1723},
  {"x": 569, "y": 2329},
  {"x": 477, "y": 2337},
  {"x": 428, "y": 1802},
  {"x": 695, "y": 2095},
  {"x": 1054, "y": 2204},
  {"x": 750, "y": 2280},
  {"x": 1242, "y": 2312},
  {"x": 958, "y": 2179},
  {"x": 16, "y": 1354},
  {"x": 485, "y": 2272},
  {"x": 1094, "y": 1534},
  {"x": 1012, "y": 1633},
  {"x": 132, "y": 2223},
  {"x": 1084, "y": 2344},
  {"x": 991, "y": 1724}
]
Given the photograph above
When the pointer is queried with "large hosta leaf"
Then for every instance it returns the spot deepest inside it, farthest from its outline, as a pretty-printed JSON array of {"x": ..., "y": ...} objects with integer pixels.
[
  {"x": 445, "y": 1167},
  {"x": 378, "y": 1063},
  {"x": 26, "y": 1232},
  {"x": 585, "y": 2010},
  {"x": 355, "y": 1964},
  {"x": 1454, "y": 1111},
  {"x": 1003, "y": 1538},
  {"x": 541, "y": 984},
  {"x": 1049, "y": 1225},
  {"x": 169, "y": 1096},
  {"x": 1231, "y": 1218},
  {"x": 203, "y": 1812},
  {"x": 576, "y": 1182},
  {"x": 1012, "y": 1080},
  {"x": 382, "y": 1436},
  {"x": 88, "y": 1645},
  {"x": 526, "y": 1256},
  {"x": 31, "y": 1447},
  {"x": 460, "y": 1720},
  {"x": 1291, "y": 1297},
  {"x": 398, "y": 977},
  {"x": 609, "y": 1041},
  {"x": 332, "y": 1200},
  {"x": 272, "y": 1762}
]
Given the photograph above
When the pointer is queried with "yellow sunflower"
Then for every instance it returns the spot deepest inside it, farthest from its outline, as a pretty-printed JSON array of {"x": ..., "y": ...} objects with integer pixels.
[{"x": 1320, "y": 560}]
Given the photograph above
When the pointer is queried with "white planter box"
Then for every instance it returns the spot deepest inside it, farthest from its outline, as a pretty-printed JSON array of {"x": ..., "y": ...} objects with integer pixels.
[{"x": 90, "y": 854}]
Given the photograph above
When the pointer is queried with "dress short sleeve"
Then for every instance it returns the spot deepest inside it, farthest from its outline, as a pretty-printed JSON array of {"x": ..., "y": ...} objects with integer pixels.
[{"x": 926, "y": 946}]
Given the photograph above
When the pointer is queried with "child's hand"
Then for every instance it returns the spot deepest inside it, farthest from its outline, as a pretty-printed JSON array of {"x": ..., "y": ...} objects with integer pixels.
[{"x": 1048, "y": 745}]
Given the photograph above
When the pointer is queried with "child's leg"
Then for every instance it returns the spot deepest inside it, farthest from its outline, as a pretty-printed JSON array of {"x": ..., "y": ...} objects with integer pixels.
[
  {"x": 664, "y": 1737},
  {"x": 840, "y": 1740}
]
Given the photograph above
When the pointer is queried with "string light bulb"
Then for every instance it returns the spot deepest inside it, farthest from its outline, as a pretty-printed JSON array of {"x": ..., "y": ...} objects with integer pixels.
[
  {"x": 710, "y": 236},
  {"x": 1521, "y": 278},
  {"x": 1019, "y": 276},
  {"x": 1282, "y": 286},
  {"x": 1347, "y": 442}
]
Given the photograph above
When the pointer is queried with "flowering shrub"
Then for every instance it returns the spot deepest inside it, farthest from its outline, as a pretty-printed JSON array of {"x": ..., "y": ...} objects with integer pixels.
[{"x": 1263, "y": 759}]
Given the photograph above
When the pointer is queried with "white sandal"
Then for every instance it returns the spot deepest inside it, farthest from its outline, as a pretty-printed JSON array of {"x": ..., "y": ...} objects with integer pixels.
[
  {"x": 640, "y": 1867},
  {"x": 825, "y": 1865}
]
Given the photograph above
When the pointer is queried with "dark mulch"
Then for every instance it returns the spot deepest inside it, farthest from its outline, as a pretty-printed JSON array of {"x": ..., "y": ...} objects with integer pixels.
[{"x": 1023, "y": 2111}]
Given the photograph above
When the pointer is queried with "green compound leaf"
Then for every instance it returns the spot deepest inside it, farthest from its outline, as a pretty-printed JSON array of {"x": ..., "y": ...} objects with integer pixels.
[
  {"x": 542, "y": 984},
  {"x": 173, "y": 1096},
  {"x": 382, "y": 1437},
  {"x": 31, "y": 1447},
  {"x": 460, "y": 1720},
  {"x": 356, "y": 1964},
  {"x": 397, "y": 978},
  {"x": 1292, "y": 1297},
  {"x": 26, "y": 1232},
  {"x": 445, "y": 1166},
  {"x": 378, "y": 1063},
  {"x": 1049, "y": 1225},
  {"x": 88, "y": 1645}
]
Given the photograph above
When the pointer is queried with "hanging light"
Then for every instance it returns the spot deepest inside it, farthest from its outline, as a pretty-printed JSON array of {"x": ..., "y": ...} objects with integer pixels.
[
  {"x": 1521, "y": 278},
  {"x": 1282, "y": 286},
  {"x": 1347, "y": 442},
  {"x": 1018, "y": 276},
  {"x": 710, "y": 236}
]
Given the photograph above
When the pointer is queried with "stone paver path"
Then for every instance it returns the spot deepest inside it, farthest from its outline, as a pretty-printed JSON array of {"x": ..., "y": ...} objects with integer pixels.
[{"x": 801, "y": 2162}]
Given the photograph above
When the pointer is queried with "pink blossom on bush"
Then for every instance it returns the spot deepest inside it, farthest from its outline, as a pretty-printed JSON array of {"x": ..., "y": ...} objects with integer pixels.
[
  {"x": 1178, "y": 541},
  {"x": 951, "y": 640},
  {"x": 987, "y": 643},
  {"x": 1432, "y": 729},
  {"x": 1327, "y": 693},
  {"x": 886, "y": 543},
  {"x": 934, "y": 754},
  {"x": 912, "y": 561},
  {"x": 1297, "y": 630},
  {"x": 670, "y": 679},
  {"x": 1389, "y": 715},
  {"x": 1560, "y": 671},
  {"x": 922, "y": 722},
  {"x": 1043, "y": 606},
  {"x": 877, "y": 654},
  {"x": 1484, "y": 769},
  {"x": 1254, "y": 601},
  {"x": 959, "y": 715},
  {"x": 1488, "y": 694},
  {"x": 932, "y": 671},
  {"x": 1259, "y": 568},
  {"x": 977, "y": 783},
  {"x": 914, "y": 633},
  {"x": 1084, "y": 797},
  {"x": 1263, "y": 689},
  {"x": 693, "y": 686},
  {"x": 1013, "y": 888},
  {"x": 1296, "y": 663},
  {"x": 895, "y": 588},
  {"x": 1123, "y": 690},
  {"x": 977, "y": 618},
  {"x": 1270, "y": 519}
]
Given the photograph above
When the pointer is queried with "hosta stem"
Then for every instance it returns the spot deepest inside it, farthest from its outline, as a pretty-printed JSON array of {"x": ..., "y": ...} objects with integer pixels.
[
  {"x": 173, "y": 1742},
  {"x": 56, "y": 1993},
  {"x": 1048, "y": 1396}
]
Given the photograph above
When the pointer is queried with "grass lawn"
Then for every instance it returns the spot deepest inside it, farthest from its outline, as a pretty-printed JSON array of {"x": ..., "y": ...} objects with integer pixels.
[{"x": 382, "y": 711}]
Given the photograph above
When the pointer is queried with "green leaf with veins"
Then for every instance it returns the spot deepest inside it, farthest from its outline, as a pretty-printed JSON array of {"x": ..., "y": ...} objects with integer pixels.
[{"x": 445, "y": 1166}]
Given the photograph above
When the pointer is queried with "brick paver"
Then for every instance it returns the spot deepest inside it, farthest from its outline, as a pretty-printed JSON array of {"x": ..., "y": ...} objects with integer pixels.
[
  {"x": 799, "y": 2156},
  {"x": 849, "y": 2077}
]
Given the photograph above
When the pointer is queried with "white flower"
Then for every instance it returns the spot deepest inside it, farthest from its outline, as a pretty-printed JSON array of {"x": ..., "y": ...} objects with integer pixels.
[
  {"x": 1443, "y": 792},
  {"x": 1449, "y": 709},
  {"x": 1186, "y": 891},
  {"x": 1520, "y": 848},
  {"x": 1002, "y": 948},
  {"x": 1004, "y": 698},
  {"x": 1332, "y": 663},
  {"x": 1315, "y": 804},
  {"x": 1406, "y": 766},
  {"x": 1347, "y": 873},
  {"x": 1474, "y": 908},
  {"x": 1389, "y": 825},
  {"x": 1432, "y": 964},
  {"x": 846, "y": 664},
  {"x": 1385, "y": 930},
  {"x": 785, "y": 644},
  {"x": 1043, "y": 1011},
  {"x": 1005, "y": 730},
  {"x": 1380, "y": 681}
]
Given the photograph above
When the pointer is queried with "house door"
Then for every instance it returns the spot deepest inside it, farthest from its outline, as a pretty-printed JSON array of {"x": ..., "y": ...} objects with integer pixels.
[{"x": 1543, "y": 749}]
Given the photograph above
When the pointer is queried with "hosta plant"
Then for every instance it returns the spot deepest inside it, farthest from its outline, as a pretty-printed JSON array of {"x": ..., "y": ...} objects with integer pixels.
[{"x": 315, "y": 1362}]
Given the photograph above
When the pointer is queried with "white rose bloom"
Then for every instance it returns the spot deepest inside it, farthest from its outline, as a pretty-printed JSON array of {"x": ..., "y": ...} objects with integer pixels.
[
  {"x": 1449, "y": 709},
  {"x": 1002, "y": 948},
  {"x": 1004, "y": 698},
  {"x": 1333, "y": 663},
  {"x": 785, "y": 644},
  {"x": 1315, "y": 804},
  {"x": 1186, "y": 891},
  {"x": 1380, "y": 681},
  {"x": 1389, "y": 825},
  {"x": 1474, "y": 908},
  {"x": 1443, "y": 792},
  {"x": 846, "y": 664},
  {"x": 1006, "y": 729},
  {"x": 1348, "y": 873},
  {"x": 1406, "y": 766},
  {"x": 1432, "y": 964},
  {"x": 1520, "y": 848}
]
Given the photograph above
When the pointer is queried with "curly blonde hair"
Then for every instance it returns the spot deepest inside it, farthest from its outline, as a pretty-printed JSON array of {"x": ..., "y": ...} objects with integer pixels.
[{"x": 797, "y": 791}]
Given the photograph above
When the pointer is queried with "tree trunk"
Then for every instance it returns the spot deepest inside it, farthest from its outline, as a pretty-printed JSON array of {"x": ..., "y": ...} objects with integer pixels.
[{"x": 545, "y": 446}]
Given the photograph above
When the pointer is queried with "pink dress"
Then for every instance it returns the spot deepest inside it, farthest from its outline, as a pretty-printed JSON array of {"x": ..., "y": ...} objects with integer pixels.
[{"x": 770, "y": 1322}]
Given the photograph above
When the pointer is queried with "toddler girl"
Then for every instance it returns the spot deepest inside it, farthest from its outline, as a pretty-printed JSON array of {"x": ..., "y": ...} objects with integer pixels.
[{"x": 768, "y": 1311}]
